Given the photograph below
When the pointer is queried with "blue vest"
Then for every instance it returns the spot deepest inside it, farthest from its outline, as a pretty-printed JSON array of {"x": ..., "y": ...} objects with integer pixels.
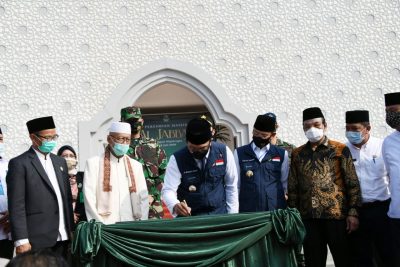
[
  {"x": 203, "y": 190},
  {"x": 260, "y": 182}
]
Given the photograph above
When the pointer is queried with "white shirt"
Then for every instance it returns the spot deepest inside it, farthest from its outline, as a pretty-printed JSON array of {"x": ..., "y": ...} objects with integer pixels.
[
  {"x": 48, "y": 167},
  {"x": 391, "y": 155},
  {"x": 371, "y": 171},
  {"x": 3, "y": 194},
  {"x": 121, "y": 203},
  {"x": 260, "y": 153},
  {"x": 172, "y": 180}
]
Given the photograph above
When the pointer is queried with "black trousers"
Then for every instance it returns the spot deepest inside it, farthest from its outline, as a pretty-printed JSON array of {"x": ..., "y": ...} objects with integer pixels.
[
  {"x": 6, "y": 249},
  {"x": 321, "y": 233},
  {"x": 371, "y": 244},
  {"x": 395, "y": 232}
]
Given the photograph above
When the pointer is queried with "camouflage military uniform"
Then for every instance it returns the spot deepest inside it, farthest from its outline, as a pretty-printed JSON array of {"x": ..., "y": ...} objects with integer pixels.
[
  {"x": 152, "y": 157},
  {"x": 285, "y": 145}
]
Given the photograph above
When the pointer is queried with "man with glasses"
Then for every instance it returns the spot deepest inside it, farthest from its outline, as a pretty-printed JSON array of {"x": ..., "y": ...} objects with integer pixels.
[
  {"x": 263, "y": 169},
  {"x": 39, "y": 195},
  {"x": 114, "y": 187},
  {"x": 324, "y": 187},
  {"x": 201, "y": 178}
]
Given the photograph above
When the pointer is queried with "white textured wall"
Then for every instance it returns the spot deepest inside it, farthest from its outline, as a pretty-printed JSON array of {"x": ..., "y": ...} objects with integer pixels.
[{"x": 65, "y": 58}]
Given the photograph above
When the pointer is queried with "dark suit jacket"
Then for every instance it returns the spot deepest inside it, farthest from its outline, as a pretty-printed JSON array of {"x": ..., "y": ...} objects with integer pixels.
[{"x": 32, "y": 201}]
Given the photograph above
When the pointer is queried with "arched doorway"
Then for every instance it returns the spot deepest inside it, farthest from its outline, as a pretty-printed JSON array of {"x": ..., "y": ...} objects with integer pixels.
[
  {"x": 202, "y": 88},
  {"x": 167, "y": 107}
]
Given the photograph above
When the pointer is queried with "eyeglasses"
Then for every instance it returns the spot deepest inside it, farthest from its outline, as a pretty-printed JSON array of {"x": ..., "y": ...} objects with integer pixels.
[
  {"x": 48, "y": 138},
  {"x": 121, "y": 140}
]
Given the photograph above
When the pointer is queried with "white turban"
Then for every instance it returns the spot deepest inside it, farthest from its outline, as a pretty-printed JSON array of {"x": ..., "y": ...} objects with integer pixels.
[{"x": 120, "y": 127}]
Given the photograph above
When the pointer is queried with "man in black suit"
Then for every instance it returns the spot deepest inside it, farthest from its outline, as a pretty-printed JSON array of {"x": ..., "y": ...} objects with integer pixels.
[{"x": 39, "y": 195}]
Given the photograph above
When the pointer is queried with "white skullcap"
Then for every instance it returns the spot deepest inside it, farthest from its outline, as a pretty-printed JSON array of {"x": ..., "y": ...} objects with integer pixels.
[{"x": 120, "y": 127}]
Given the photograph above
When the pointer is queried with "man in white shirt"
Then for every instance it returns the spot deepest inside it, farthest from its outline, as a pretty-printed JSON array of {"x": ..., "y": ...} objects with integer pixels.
[
  {"x": 263, "y": 169},
  {"x": 391, "y": 155},
  {"x": 201, "y": 178},
  {"x": 6, "y": 245},
  {"x": 39, "y": 194},
  {"x": 373, "y": 232},
  {"x": 114, "y": 186}
]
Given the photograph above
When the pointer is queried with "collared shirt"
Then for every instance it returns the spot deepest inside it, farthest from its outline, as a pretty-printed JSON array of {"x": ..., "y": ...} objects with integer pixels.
[
  {"x": 323, "y": 184},
  {"x": 3, "y": 194},
  {"x": 391, "y": 156},
  {"x": 173, "y": 176},
  {"x": 371, "y": 171},
  {"x": 260, "y": 153}
]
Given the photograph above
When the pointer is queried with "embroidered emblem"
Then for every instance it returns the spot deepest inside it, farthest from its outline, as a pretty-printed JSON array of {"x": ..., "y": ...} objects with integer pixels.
[
  {"x": 249, "y": 173},
  {"x": 192, "y": 188}
]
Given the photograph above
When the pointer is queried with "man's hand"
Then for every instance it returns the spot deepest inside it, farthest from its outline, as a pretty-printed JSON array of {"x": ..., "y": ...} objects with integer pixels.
[
  {"x": 5, "y": 221},
  {"x": 23, "y": 248},
  {"x": 76, "y": 217},
  {"x": 352, "y": 224},
  {"x": 182, "y": 209},
  {"x": 4, "y": 216}
]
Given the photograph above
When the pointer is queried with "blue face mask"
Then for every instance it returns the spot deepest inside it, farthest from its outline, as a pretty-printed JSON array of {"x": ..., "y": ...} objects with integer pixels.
[
  {"x": 120, "y": 149},
  {"x": 354, "y": 137},
  {"x": 47, "y": 146}
]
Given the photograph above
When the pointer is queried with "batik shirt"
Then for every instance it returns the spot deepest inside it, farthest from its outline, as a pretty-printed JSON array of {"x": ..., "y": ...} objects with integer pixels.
[{"x": 323, "y": 184}]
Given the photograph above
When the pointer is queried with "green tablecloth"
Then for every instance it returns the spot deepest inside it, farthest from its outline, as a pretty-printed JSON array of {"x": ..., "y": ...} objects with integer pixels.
[{"x": 245, "y": 239}]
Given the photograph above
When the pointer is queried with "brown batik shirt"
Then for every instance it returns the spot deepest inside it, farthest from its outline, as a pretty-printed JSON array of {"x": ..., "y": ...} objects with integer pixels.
[{"x": 323, "y": 184}]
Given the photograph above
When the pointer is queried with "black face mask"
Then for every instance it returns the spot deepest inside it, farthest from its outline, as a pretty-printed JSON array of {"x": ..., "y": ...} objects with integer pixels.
[
  {"x": 200, "y": 154},
  {"x": 260, "y": 142},
  {"x": 393, "y": 119}
]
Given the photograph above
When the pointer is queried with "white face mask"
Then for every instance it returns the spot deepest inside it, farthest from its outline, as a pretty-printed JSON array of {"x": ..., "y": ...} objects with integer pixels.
[{"x": 314, "y": 134}]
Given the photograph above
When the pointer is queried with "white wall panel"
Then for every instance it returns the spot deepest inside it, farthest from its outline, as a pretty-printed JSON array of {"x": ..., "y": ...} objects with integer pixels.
[{"x": 65, "y": 58}]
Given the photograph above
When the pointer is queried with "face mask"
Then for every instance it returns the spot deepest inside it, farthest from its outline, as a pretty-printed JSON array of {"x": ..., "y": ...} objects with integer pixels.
[
  {"x": 71, "y": 163},
  {"x": 120, "y": 149},
  {"x": 314, "y": 134},
  {"x": 47, "y": 146},
  {"x": 200, "y": 154},
  {"x": 393, "y": 119},
  {"x": 261, "y": 142},
  {"x": 354, "y": 137},
  {"x": 2, "y": 149}
]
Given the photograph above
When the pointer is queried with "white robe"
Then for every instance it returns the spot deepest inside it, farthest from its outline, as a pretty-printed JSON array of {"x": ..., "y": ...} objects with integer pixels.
[{"x": 121, "y": 204}]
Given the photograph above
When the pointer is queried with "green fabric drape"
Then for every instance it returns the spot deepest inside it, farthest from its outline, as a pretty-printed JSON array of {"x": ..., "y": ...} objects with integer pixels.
[{"x": 245, "y": 239}]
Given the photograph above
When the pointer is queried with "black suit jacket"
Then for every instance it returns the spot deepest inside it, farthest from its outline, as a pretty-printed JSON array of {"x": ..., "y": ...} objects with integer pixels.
[{"x": 32, "y": 201}]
